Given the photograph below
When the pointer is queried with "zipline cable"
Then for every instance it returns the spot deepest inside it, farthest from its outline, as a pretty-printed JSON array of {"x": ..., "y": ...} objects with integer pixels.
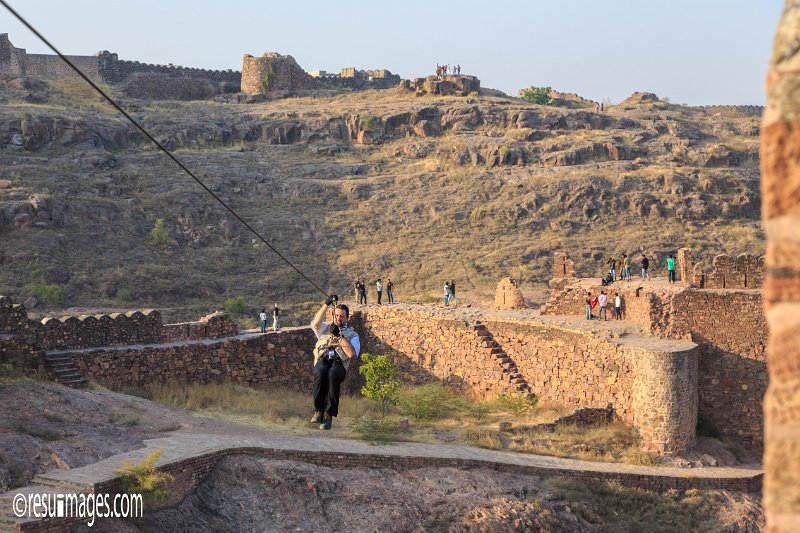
[{"x": 158, "y": 144}]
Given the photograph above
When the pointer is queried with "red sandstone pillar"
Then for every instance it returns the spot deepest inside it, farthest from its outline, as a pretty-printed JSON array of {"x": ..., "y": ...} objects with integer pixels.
[{"x": 780, "y": 171}]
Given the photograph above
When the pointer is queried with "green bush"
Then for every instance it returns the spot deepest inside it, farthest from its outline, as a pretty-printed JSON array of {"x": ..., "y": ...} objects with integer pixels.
[
  {"x": 424, "y": 403},
  {"x": 366, "y": 121},
  {"x": 147, "y": 480},
  {"x": 50, "y": 294},
  {"x": 515, "y": 404},
  {"x": 235, "y": 305},
  {"x": 160, "y": 234},
  {"x": 375, "y": 431},
  {"x": 381, "y": 380},
  {"x": 537, "y": 95}
]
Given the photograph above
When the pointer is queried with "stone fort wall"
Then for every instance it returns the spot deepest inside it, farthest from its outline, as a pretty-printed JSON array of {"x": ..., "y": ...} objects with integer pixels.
[
  {"x": 103, "y": 67},
  {"x": 86, "y": 331},
  {"x": 729, "y": 326}
]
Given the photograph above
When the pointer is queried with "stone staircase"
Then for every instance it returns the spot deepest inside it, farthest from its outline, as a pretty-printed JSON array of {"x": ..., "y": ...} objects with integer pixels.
[
  {"x": 65, "y": 370},
  {"x": 511, "y": 373}
]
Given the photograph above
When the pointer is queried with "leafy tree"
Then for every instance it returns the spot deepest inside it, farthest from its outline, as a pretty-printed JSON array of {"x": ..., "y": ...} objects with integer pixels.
[
  {"x": 381, "y": 377},
  {"x": 537, "y": 95}
]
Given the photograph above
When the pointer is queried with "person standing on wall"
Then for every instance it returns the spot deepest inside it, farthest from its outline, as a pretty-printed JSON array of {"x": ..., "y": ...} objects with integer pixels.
[
  {"x": 263, "y": 318},
  {"x": 589, "y": 305},
  {"x": 362, "y": 293},
  {"x": 453, "y": 293},
  {"x": 671, "y": 268},
  {"x": 276, "y": 313},
  {"x": 603, "y": 301},
  {"x": 390, "y": 290},
  {"x": 379, "y": 289},
  {"x": 645, "y": 266},
  {"x": 337, "y": 345},
  {"x": 618, "y": 307},
  {"x": 447, "y": 292}
]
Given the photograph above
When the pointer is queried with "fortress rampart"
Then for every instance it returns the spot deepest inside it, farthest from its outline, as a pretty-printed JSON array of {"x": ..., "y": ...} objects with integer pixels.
[
  {"x": 103, "y": 67},
  {"x": 728, "y": 325},
  {"x": 704, "y": 354}
]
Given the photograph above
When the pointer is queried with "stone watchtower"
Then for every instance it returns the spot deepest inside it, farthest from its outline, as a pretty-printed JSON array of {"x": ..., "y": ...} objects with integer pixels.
[{"x": 273, "y": 72}]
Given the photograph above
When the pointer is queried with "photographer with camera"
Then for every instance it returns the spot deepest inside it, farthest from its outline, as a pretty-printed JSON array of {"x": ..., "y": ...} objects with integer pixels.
[{"x": 337, "y": 344}]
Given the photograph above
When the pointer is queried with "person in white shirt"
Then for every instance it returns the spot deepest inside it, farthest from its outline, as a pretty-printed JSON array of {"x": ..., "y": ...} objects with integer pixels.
[
  {"x": 618, "y": 307},
  {"x": 263, "y": 318},
  {"x": 337, "y": 345},
  {"x": 603, "y": 301}
]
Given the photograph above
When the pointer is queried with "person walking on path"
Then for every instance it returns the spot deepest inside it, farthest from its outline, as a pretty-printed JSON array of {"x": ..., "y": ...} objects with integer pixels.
[
  {"x": 379, "y": 289},
  {"x": 390, "y": 290},
  {"x": 645, "y": 266},
  {"x": 337, "y": 344},
  {"x": 447, "y": 292},
  {"x": 276, "y": 313},
  {"x": 263, "y": 318},
  {"x": 618, "y": 307},
  {"x": 589, "y": 305},
  {"x": 671, "y": 268},
  {"x": 603, "y": 301}
]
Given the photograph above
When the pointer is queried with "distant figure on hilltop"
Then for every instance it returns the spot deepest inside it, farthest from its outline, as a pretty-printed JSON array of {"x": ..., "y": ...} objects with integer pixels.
[
  {"x": 362, "y": 293},
  {"x": 458, "y": 70},
  {"x": 618, "y": 307},
  {"x": 390, "y": 290},
  {"x": 453, "y": 293},
  {"x": 671, "y": 268}
]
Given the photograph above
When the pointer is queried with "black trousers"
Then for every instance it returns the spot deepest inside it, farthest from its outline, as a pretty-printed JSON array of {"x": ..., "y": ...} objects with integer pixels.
[
  {"x": 362, "y": 298},
  {"x": 390, "y": 295},
  {"x": 379, "y": 296},
  {"x": 328, "y": 378}
]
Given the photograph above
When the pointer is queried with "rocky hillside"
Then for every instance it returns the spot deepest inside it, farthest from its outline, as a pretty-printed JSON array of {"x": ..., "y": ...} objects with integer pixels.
[{"x": 371, "y": 184}]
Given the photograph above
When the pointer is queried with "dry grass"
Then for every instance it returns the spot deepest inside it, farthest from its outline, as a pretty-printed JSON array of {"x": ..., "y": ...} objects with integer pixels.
[
  {"x": 612, "y": 443},
  {"x": 437, "y": 414}
]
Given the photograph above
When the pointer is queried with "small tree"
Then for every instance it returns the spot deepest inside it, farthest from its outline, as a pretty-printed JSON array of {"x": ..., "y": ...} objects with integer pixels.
[
  {"x": 381, "y": 377},
  {"x": 537, "y": 95}
]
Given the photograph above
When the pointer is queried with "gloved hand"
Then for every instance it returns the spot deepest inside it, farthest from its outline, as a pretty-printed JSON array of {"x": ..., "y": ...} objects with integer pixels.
[{"x": 331, "y": 299}]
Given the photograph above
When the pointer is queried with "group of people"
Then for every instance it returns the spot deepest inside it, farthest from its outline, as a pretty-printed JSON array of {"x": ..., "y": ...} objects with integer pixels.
[
  {"x": 361, "y": 291},
  {"x": 276, "y": 313},
  {"x": 441, "y": 70},
  {"x": 601, "y": 300},
  {"x": 620, "y": 269}
]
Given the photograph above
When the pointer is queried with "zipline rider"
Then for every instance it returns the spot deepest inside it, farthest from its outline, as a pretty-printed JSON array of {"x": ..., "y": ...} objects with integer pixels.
[{"x": 337, "y": 344}]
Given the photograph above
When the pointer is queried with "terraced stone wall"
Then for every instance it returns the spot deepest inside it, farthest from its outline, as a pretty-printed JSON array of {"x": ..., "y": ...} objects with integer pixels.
[
  {"x": 430, "y": 349},
  {"x": 273, "y": 359},
  {"x": 654, "y": 390}
]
